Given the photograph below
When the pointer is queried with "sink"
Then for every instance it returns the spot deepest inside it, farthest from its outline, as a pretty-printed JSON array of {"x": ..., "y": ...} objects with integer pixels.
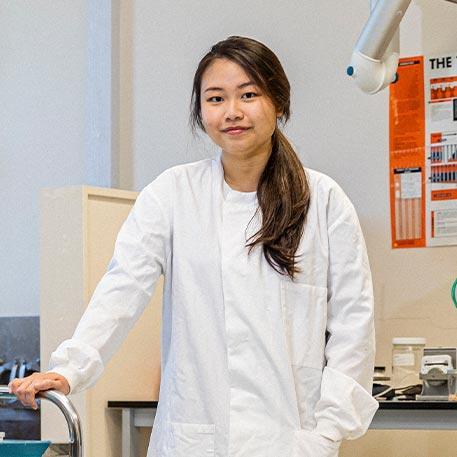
[{"x": 23, "y": 448}]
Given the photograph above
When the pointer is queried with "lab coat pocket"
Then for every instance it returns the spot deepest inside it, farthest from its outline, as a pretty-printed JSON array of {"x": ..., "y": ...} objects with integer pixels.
[
  {"x": 192, "y": 440},
  {"x": 308, "y": 391},
  {"x": 311, "y": 444},
  {"x": 304, "y": 310}
]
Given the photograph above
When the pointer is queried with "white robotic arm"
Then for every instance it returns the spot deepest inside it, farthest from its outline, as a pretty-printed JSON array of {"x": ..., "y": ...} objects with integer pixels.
[{"x": 374, "y": 61}]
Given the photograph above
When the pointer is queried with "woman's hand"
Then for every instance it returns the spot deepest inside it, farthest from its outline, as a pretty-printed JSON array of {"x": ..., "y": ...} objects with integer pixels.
[{"x": 26, "y": 388}]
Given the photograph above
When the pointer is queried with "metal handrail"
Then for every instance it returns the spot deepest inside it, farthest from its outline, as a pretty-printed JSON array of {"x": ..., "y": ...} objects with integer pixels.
[{"x": 68, "y": 410}]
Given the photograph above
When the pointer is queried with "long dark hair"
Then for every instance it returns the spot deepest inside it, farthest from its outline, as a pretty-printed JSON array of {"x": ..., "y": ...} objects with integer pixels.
[{"x": 283, "y": 192}]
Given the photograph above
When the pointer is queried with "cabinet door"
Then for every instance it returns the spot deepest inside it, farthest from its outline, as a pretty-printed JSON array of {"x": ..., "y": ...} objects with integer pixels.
[{"x": 134, "y": 371}]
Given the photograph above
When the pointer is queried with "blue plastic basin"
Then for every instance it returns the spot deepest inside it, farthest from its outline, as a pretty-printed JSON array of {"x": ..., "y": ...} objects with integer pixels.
[{"x": 21, "y": 448}]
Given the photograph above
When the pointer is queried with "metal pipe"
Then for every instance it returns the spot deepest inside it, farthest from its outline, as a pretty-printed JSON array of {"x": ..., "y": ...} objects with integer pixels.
[
  {"x": 381, "y": 27},
  {"x": 394, "y": 45},
  {"x": 68, "y": 410},
  {"x": 374, "y": 61},
  {"x": 375, "y": 57}
]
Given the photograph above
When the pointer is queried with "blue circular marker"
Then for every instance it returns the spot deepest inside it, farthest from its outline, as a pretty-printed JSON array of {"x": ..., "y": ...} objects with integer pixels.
[{"x": 350, "y": 70}]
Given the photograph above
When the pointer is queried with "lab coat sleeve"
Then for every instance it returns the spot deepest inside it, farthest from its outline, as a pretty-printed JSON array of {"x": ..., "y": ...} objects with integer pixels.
[
  {"x": 346, "y": 406},
  {"x": 140, "y": 256}
]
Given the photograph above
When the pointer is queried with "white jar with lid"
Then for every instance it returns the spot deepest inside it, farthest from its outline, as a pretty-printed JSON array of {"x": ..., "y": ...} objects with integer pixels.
[{"x": 406, "y": 361}]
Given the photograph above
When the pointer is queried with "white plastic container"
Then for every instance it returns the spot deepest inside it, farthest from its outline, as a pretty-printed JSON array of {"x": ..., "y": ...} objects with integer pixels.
[{"x": 406, "y": 361}]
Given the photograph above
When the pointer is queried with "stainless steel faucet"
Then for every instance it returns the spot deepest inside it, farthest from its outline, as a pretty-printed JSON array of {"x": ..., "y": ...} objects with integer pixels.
[{"x": 68, "y": 410}]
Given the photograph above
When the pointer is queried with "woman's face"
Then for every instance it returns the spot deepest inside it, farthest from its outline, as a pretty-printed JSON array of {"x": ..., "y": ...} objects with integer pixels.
[{"x": 236, "y": 115}]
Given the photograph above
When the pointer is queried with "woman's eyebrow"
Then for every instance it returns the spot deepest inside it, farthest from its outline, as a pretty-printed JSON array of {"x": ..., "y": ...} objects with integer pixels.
[{"x": 248, "y": 83}]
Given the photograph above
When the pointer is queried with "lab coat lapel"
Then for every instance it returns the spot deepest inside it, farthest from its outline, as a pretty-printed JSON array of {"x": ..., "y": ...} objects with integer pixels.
[{"x": 217, "y": 202}]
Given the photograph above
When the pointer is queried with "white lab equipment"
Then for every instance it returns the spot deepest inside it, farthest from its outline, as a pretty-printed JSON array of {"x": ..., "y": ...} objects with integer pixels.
[
  {"x": 375, "y": 57},
  {"x": 406, "y": 361},
  {"x": 452, "y": 385},
  {"x": 437, "y": 368}
]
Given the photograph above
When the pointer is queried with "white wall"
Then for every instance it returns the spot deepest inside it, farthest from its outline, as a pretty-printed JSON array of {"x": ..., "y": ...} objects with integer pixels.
[
  {"x": 43, "y": 57},
  {"x": 312, "y": 39},
  {"x": 336, "y": 129},
  {"x": 413, "y": 285}
]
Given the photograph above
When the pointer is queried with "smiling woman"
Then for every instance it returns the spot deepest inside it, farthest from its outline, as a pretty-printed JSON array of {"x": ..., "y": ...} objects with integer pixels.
[
  {"x": 267, "y": 324},
  {"x": 240, "y": 92}
]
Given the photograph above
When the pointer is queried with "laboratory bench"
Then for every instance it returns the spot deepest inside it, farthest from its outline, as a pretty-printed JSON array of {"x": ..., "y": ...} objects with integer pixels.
[{"x": 391, "y": 415}]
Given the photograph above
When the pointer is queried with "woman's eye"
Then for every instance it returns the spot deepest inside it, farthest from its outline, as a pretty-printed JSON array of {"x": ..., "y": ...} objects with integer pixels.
[
  {"x": 215, "y": 99},
  {"x": 249, "y": 95}
]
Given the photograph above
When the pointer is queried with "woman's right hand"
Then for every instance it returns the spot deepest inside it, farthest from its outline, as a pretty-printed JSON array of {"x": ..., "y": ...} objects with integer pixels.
[{"x": 26, "y": 389}]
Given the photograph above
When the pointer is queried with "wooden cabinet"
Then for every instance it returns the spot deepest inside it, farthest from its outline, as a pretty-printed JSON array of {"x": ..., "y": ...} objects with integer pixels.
[{"x": 78, "y": 228}]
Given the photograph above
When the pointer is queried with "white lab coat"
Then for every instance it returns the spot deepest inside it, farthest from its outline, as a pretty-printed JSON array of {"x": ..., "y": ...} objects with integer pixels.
[{"x": 248, "y": 369}]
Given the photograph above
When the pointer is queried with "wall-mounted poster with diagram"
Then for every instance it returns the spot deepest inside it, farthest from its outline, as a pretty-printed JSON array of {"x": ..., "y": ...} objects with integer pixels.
[{"x": 423, "y": 152}]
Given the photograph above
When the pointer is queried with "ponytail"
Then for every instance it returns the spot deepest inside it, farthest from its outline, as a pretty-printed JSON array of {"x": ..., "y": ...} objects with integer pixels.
[{"x": 284, "y": 195}]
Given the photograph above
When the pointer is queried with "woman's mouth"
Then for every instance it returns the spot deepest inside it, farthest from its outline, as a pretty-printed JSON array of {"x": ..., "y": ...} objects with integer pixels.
[{"x": 235, "y": 130}]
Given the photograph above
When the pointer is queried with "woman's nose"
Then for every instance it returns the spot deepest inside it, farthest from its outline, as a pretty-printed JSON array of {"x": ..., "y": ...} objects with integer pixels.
[{"x": 233, "y": 111}]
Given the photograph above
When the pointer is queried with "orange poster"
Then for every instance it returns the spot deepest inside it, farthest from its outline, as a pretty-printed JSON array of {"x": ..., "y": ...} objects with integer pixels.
[
  {"x": 423, "y": 152},
  {"x": 407, "y": 155}
]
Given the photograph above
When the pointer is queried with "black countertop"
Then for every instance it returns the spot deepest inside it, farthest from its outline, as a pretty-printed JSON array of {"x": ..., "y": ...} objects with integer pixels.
[
  {"x": 132, "y": 404},
  {"x": 413, "y": 404},
  {"x": 403, "y": 405}
]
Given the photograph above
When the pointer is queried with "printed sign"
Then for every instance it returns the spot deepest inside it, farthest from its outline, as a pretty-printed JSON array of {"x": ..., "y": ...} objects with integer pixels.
[{"x": 423, "y": 152}]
